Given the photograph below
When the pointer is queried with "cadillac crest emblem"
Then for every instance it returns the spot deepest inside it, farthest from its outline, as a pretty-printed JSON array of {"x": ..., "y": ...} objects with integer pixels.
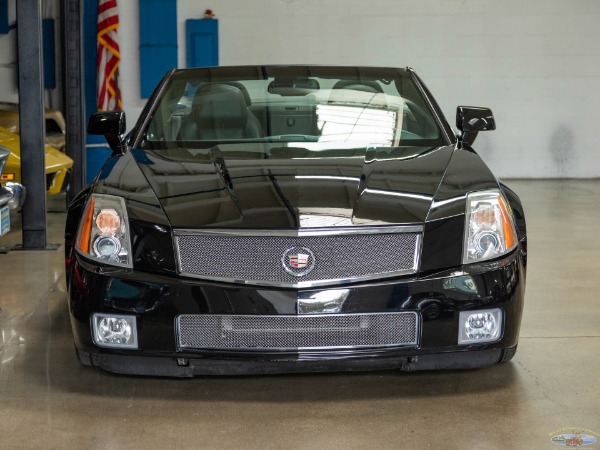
[{"x": 298, "y": 261}]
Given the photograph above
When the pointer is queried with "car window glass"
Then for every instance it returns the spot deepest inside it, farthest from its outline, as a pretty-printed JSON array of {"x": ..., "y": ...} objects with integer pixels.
[{"x": 313, "y": 112}]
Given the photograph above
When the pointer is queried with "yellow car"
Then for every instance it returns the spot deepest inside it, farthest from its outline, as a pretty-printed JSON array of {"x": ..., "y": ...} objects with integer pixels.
[
  {"x": 55, "y": 123},
  {"x": 57, "y": 163}
]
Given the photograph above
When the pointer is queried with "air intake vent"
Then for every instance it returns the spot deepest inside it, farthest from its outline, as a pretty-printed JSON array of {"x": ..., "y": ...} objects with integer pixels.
[{"x": 232, "y": 332}]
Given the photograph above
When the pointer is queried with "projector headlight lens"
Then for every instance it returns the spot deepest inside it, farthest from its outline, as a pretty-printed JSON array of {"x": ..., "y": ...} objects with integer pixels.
[
  {"x": 480, "y": 326},
  {"x": 114, "y": 331},
  {"x": 107, "y": 247}
]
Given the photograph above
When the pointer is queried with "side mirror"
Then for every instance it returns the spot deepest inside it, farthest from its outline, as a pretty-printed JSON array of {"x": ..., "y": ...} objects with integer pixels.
[
  {"x": 471, "y": 120},
  {"x": 110, "y": 124}
]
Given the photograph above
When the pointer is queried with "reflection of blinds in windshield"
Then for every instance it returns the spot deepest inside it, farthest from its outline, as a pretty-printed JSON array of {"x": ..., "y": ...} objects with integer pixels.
[{"x": 352, "y": 123}]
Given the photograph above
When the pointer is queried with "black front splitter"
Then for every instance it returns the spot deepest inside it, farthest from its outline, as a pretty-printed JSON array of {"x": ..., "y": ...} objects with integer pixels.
[{"x": 190, "y": 367}]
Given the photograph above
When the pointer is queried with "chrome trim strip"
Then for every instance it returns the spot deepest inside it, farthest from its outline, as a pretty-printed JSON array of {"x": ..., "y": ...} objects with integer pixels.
[
  {"x": 300, "y": 284},
  {"x": 394, "y": 229},
  {"x": 418, "y": 249},
  {"x": 415, "y": 343},
  {"x": 177, "y": 255}
]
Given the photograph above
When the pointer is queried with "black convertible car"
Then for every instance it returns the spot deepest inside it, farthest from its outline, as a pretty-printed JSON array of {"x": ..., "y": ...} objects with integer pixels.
[{"x": 273, "y": 219}]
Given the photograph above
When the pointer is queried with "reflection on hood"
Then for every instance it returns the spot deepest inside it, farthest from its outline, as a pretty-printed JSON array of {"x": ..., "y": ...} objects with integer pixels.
[{"x": 269, "y": 186}]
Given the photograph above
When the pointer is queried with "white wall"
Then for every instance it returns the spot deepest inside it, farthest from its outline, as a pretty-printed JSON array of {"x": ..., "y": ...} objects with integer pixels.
[
  {"x": 129, "y": 69},
  {"x": 9, "y": 92},
  {"x": 536, "y": 63},
  {"x": 8, "y": 60}
]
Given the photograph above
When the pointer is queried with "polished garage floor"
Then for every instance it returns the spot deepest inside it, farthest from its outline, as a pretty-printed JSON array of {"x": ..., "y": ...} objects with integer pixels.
[{"x": 48, "y": 401}]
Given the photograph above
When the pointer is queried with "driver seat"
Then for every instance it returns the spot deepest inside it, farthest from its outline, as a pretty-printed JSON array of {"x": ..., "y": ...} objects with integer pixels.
[{"x": 220, "y": 112}]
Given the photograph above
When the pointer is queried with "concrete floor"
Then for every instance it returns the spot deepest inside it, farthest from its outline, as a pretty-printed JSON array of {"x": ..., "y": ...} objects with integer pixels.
[{"x": 47, "y": 400}]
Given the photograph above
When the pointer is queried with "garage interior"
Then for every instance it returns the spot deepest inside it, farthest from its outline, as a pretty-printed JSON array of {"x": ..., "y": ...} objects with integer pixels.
[{"x": 535, "y": 64}]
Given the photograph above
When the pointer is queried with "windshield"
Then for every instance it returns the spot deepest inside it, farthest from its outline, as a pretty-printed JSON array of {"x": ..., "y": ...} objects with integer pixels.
[{"x": 316, "y": 108}]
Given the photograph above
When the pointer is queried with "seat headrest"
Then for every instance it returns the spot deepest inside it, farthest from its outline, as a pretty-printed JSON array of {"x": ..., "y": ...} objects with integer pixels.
[
  {"x": 220, "y": 106},
  {"x": 242, "y": 89}
]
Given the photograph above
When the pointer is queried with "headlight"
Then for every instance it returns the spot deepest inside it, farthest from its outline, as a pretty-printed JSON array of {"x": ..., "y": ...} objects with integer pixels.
[
  {"x": 103, "y": 234},
  {"x": 489, "y": 228}
]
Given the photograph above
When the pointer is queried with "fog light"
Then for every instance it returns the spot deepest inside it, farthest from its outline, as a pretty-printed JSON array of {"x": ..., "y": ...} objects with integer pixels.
[
  {"x": 479, "y": 326},
  {"x": 115, "y": 331}
]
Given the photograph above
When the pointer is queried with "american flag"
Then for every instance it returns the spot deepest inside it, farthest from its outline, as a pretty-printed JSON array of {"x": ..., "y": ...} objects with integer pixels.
[{"x": 109, "y": 95}]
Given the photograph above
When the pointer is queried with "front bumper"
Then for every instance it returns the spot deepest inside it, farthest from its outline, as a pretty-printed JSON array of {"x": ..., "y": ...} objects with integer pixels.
[
  {"x": 12, "y": 194},
  {"x": 157, "y": 301}
]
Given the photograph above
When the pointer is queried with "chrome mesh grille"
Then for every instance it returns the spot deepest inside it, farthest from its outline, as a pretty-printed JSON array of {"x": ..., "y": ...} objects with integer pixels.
[
  {"x": 260, "y": 259},
  {"x": 231, "y": 332}
]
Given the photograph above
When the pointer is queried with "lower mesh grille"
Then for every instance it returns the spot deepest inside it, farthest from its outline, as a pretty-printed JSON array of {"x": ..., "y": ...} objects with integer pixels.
[{"x": 229, "y": 332}]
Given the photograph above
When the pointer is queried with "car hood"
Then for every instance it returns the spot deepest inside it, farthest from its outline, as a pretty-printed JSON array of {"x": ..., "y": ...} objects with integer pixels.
[{"x": 290, "y": 188}]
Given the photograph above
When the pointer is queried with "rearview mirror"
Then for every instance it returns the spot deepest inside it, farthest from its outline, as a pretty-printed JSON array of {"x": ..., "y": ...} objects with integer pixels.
[
  {"x": 299, "y": 86},
  {"x": 111, "y": 125},
  {"x": 471, "y": 120}
]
